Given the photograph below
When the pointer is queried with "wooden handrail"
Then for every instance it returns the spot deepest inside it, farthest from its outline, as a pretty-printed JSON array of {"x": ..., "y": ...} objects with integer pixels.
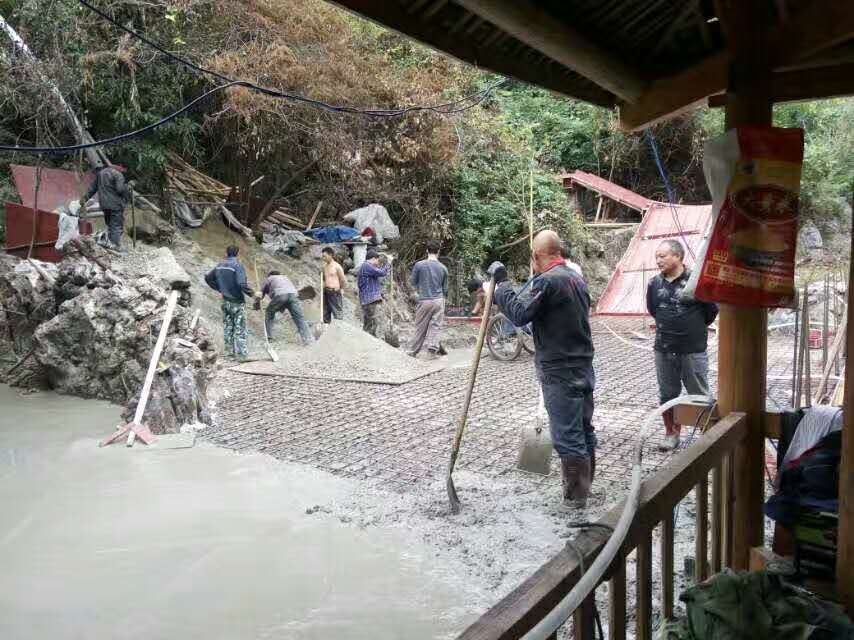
[{"x": 521, "y": 609}]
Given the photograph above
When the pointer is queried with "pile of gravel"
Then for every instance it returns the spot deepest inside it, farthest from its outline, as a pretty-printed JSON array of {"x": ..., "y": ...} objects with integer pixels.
[{"x": 345, "y": 352}]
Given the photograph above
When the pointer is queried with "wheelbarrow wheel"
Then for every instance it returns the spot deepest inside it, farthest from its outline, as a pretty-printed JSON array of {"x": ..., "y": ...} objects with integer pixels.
[
  {"x": 527, "y": 339},
  {"x": 502, "y": 339}
]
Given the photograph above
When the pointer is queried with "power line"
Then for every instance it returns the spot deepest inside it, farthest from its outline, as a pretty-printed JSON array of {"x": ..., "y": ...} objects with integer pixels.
[
  {"x": 123, "y": 136},
  {"x": 446, "y": 108}
]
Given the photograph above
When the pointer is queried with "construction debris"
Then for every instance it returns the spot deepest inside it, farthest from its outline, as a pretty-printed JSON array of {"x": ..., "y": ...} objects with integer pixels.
[{"x": 92, "y": 330}]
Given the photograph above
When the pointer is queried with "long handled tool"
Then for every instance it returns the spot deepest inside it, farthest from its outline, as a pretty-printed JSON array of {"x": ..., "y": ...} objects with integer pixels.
[
  {"x": 133, "y": 217},
  {"x": 475, "y": 363},
  {"x": 270, "y": 351},
  {"x": 318, "y": 328}
]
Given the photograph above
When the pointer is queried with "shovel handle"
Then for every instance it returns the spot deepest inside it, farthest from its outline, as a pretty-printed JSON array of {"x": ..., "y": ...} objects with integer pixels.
[{"x": 481, "y": 336}]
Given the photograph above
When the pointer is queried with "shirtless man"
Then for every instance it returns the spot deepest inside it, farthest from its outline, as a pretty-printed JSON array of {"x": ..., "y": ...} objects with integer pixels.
[{"x": 333, "y": 285}]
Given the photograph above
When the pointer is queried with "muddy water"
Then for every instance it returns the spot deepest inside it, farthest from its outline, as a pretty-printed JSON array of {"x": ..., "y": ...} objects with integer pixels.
[{"x": 196, "y": 543}]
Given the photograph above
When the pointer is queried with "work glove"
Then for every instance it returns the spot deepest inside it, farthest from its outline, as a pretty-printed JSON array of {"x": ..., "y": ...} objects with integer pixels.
[{"x": 498, "y": 272}]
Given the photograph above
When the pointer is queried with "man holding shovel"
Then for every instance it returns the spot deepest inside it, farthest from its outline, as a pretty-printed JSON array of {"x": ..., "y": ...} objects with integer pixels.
[{"x": 558, "y": 310}]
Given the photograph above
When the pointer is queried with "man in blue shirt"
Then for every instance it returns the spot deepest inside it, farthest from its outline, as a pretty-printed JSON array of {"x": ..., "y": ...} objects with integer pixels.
[
  {"x": 370, "y": 282},
  {"x": 229, "y": 278}
]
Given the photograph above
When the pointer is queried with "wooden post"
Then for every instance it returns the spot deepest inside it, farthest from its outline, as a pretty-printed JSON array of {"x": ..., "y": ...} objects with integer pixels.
[
  {"x": 845, "y": 553},
  {"x": 742, "y": 345}
]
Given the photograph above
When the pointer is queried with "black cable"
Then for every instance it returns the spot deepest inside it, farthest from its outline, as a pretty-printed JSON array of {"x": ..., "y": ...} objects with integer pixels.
[
  {"x": 442, "y": 109},
  {"x": 123, "y": 136}
]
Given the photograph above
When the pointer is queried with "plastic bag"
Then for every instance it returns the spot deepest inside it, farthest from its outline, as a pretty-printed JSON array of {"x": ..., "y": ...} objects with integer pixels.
[
  {"x": 376, "y": 218},
  {"x": 754, "y": 174},
  {"x": 69, "y": 229}
]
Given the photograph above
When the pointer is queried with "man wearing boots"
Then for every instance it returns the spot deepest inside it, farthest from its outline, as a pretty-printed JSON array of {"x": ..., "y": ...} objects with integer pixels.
[
  {"x": 113, "y": 194},
  {"x": 558, "y": 310},
  {"x": 680, "y": 334}
]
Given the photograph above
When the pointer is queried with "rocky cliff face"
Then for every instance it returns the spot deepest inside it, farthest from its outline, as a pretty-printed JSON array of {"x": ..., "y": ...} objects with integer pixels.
[{"x": 91, "y": 331}]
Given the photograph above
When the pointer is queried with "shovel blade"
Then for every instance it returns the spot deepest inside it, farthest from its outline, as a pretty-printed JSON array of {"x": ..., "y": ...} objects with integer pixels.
[{"x": 535, "y": 450}]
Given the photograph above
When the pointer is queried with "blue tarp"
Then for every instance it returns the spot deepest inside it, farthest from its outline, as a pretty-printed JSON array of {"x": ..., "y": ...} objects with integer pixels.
[{"x": 336, "y": 233}]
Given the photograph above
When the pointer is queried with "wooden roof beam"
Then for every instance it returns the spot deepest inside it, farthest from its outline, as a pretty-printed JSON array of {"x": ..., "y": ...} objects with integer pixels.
[
  {"x": 529, "y": 24},
  {"x": 806, "y": 84},
  {"x": 394, "y": 16},
  {"x": 820, "y": 25}
]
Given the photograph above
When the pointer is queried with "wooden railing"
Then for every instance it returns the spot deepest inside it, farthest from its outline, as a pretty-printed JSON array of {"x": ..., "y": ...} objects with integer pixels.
[{"x": 711, "y": 455}]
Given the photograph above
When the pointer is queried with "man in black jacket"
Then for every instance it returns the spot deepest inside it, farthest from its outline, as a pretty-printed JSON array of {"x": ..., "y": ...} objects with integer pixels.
[
  {"x": 229, "y": 278},
  {"x": 681, "y": 331},
  {"x": 558, "y": 310},
  {"x": 113, "y": 194}
]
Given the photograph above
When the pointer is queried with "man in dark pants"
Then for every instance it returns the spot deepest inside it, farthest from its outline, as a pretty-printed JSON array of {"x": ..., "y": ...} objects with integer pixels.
[
  {"x": 370, "y": 282},
  {"x": 333, "y": 286},
  {"x": 558, "y": 308},
  {"x": 229, "y": 278},
  {"x": 680, "y": 334},
  {"x": 113, "y": 195},
  {"x": 283, "y": 297}
]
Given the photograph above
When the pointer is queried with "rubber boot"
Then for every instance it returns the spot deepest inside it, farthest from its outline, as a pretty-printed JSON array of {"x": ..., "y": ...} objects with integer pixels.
[{"x": 576, "y": 479}]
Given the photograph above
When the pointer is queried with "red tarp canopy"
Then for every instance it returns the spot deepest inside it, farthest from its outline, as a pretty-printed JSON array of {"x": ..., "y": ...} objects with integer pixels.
[{"x": 626, "y": 290}]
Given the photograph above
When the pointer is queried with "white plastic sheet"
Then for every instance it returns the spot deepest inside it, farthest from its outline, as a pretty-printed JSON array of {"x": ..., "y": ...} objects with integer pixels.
[{"x": 375, "y": 217}]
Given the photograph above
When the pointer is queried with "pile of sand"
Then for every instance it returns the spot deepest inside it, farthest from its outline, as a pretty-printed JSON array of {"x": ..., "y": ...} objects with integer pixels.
[{"x": 345, "y": 352}]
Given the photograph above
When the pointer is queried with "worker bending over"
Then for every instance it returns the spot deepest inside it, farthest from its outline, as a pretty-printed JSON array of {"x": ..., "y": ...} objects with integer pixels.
[
  {"x": 229, "y": 278},
  {"x": 681, "y": 332},
  {"x": 283, "y": 297},
  {"x": 558, "y": 309},
  {"x": 333, "y": 286}
]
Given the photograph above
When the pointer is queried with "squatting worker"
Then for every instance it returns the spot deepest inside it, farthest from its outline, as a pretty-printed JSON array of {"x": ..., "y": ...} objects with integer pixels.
[
  {"x": 429, "y": 278},
  {"x": 229, "y": 278},
  {"x": 680, "y": 333},
  {"x": 113, "y": 194},
  {"x": 558, "y": 309},
  {"x": 333, "y": 286},
  {"x": 283, "y": 297},
  {"x": 370, "y": 282}
]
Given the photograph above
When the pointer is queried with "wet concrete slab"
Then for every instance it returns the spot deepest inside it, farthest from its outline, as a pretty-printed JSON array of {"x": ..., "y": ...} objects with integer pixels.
[{"x": 199, "y": 542}]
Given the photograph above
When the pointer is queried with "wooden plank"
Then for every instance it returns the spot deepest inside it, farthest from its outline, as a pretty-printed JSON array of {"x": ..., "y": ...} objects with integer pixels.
[
  {"x": 690, "y": 414},
  {"x": 152, "y": 365},
  {"x": 742, "y": 335},
  {"x": 643, "y": 583},
  {"x": 818, "y": 25},
  {"x": 526, "y": 22},
  {"x": 667, "y": 536},
  {"x": 717, "y": 519},
  {"x": 701, "y": 535},
  {"x": 584, "y": 621},
  {"x": 551, "y": 77},
  {"x": 806, "y": 84},
  {"x": 314, "y": 215},
  {"x": 617, "y": 601},
  {"x": 845, "y": 552},
  {"x": 522, "y": 608},
  {"x": 726, "y": 511}
]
